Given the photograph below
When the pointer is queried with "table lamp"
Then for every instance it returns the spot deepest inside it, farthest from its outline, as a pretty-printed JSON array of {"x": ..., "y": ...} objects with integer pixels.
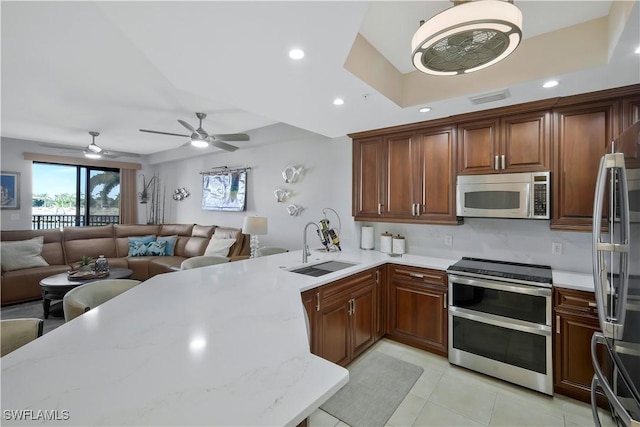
[{"x": 254, "y": 226}]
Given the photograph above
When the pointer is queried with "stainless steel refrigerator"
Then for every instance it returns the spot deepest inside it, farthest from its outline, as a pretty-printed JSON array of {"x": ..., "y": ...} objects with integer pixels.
[{"x": 615, "y": 351}]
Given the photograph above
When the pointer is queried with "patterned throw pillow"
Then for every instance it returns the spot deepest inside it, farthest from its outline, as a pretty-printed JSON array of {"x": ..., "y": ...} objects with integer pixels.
[
  {"x": 156, "y": 248},
  {"x": 170, "y": 244},
  {"x": 138, "y": 245}
]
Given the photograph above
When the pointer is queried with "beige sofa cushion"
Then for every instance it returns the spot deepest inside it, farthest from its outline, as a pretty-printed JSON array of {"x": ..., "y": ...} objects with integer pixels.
[{"x": 22, "y": 254}]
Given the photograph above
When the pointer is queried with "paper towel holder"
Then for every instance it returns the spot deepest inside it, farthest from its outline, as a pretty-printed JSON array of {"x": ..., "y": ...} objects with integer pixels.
[{"x": 367, "y": 241}]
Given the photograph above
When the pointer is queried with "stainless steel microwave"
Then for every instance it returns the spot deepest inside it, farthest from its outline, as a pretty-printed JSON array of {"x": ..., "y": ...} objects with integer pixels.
[{"x": 509, "y": 195}]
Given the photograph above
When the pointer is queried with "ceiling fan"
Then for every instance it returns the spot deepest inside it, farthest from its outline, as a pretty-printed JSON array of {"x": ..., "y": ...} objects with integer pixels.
[
  {"x": 92, "y": 151},
  {"x": 200, "y": 138}
]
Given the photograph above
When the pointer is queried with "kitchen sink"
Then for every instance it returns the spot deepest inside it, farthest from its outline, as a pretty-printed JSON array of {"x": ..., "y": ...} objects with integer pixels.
[{"x": 323, "y": 268}]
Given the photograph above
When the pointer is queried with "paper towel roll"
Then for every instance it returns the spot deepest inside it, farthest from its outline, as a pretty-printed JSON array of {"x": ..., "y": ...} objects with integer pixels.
[
  {"x": 398, "y": 244},
  {"x": 367, "y": 238},
  {"x": 386, "y": 243}
]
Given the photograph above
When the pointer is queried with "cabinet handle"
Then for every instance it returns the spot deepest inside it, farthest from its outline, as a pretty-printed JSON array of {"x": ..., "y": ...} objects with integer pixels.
[
  {"x": 317, "y": 301},
  {"x": 444, "y": 301},
  {"x": 377, "y": 277},
  {"x": 557, "y": 324},
  {"x": 353, "y": 306},
  {"x": 593, "y": 304},
  {"x": 379, "y": 208},
  {"x": 496, "y": 166},
  {"x": 503, "y": 162},
  {"x": 416, "y": 275}
]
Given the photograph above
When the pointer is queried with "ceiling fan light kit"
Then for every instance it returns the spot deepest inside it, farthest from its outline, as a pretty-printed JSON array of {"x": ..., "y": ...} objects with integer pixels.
[
  {"x": 201, "y": 139},
  {"x": 467, "y": 37},
  {"x": 198, "y": 142},
  {"x": 93, "y": 151}
]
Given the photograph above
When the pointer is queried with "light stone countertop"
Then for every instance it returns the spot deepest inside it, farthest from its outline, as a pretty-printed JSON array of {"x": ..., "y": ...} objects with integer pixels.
[{"x": 219, "y": 345}]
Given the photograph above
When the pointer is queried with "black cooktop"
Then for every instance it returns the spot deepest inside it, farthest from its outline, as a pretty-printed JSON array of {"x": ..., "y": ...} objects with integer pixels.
[{"x": 503, "y": 269}]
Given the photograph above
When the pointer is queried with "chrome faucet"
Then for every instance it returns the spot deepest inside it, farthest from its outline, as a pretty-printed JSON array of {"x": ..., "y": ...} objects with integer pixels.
[{"x": 305, "y": 247}]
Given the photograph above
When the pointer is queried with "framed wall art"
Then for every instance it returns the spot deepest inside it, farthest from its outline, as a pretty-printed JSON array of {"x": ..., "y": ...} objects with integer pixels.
[
  {"x": 10, "y": 190},
  {"x": 224, "y": 191}
]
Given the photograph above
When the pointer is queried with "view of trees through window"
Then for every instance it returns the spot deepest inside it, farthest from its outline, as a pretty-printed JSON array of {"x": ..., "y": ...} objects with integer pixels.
[{"x": 59, "y": 195}]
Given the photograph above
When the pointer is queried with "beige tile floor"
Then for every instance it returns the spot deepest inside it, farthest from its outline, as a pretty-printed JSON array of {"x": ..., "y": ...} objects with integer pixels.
[{"x": 446, "y": 395}]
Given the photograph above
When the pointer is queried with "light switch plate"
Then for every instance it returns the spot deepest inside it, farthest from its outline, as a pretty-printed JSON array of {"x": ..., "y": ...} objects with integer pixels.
[
  {"x": 448, "y": 240},
  {"x": 556, "y": 248}
]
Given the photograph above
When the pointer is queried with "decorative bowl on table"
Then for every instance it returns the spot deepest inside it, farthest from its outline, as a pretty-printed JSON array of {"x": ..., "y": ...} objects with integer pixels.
[{"x": 86, "y": 274}]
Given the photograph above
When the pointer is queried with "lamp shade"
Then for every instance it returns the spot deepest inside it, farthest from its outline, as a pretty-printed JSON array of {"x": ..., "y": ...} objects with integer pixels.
[{"x": 254, "y": 225}]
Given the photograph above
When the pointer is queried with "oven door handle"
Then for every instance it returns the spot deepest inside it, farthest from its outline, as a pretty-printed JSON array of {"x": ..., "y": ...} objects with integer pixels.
[
  {"x": 528, "y": 290},
  {"x": 491, "y": 319}
]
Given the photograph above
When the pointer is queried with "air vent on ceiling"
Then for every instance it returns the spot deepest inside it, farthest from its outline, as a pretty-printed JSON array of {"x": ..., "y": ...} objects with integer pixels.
[{"x": 490, "y": 97}]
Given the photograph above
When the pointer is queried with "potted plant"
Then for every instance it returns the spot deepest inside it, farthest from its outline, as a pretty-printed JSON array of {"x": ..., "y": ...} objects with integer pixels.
[{"x": 85, "y": 263}]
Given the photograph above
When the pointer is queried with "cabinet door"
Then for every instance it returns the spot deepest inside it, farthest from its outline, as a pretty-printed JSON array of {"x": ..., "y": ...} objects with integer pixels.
[
  {"x": 478, "y": 146},
  {"x": 581, "y": 136},
  {"x": 526, "y": 143},
  {"x": 399, "y": 193},
  {"x": 333, "y": 331},
  {"x": 630, "y": 111},
  {"x": 435, "y": 175},
  {"x": 418, "y": 308},
  {"x": 363, "y": 325},
  {"x": 368, "y": 177}
]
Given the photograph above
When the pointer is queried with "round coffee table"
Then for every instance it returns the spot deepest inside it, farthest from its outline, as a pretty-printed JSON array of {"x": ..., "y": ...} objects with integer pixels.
[{"x": 55, "y": 287}]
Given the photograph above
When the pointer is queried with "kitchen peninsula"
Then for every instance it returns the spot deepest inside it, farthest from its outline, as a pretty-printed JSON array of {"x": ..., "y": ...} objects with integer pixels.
[{"x": 220, "y": 345}]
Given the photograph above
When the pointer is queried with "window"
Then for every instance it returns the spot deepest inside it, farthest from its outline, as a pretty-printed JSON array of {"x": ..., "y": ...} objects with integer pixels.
[{"x": 59, "y": 195}]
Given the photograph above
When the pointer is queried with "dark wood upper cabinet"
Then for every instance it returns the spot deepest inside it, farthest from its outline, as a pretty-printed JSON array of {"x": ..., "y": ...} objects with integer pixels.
[
  {"x": 526, "y": 142},
  {"x": 399, "y": 180},
  {"x": 368, "y": 177},
  {"x": 434, "y": 175},
  {"x": 478, "y": 146},
  {"x": 581, "y": 136},
  {"x": 513, "y": 143},
  {"x": 406, "y": 177},
  {"x": 408, "y": 173}
]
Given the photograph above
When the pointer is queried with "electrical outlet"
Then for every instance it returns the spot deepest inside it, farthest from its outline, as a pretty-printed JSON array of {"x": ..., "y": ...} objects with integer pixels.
[
  {"x": 448, "y": 240},
  {"x": 556, "y": 248},
  {"x": 15, "y": 217}
]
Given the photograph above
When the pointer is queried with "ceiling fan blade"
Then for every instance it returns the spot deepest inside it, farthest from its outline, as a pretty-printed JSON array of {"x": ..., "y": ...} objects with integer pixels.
[
  {"x": 232, "y": 137},
  {"x": 163, "y": 133},
  {"x": 187, "y": 126},
  {"x": 222, "y": 145}
]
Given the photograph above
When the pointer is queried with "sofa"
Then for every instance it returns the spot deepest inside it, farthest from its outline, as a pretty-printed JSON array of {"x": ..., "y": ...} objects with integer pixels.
[{"x": 63, "y": 248}]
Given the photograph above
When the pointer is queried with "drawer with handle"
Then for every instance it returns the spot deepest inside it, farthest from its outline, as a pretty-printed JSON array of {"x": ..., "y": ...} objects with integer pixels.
[{"x": 419, "y": 275}]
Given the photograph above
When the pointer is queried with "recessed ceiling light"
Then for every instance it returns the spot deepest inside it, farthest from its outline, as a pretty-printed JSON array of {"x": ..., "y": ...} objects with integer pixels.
[
  {"x": 425, "y": 109},
  {"x": 296, "y": 54},
  {"x": 550, "y": 83},
  {"x": 338, "y": 101}
]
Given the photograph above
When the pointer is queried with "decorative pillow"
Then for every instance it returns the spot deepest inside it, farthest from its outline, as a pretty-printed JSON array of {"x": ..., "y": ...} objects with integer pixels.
[
  {"x": 219, "y": 247},
  {"x": 22, "y": 254},
  {"x": 156, "y": 248},
  {"x": 137, "y": 245},
  {"x": 170, "y": 244}
]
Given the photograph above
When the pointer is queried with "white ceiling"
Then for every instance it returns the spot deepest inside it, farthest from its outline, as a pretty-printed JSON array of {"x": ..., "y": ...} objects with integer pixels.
[{"x": 115, "y": 67}]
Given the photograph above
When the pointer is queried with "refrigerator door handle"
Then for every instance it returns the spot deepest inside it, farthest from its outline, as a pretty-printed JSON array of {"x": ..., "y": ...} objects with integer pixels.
[{"x": 611, "y": 322}]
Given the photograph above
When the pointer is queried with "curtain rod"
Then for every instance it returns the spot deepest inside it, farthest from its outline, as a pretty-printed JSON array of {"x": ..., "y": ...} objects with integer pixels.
[{"x": 218, "y": 170}]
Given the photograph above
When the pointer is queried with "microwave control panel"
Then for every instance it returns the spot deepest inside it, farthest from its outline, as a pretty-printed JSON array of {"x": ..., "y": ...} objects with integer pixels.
[{"x": 541, "y": 197}]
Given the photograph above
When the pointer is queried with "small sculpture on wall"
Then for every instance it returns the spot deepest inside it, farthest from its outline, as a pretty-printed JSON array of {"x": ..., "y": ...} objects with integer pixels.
[
  {"x": 294, "y": 210},
  {"x": 281, "y": 194},
  {"x": 291, "y": 173},
  {"x": 179, "y": 194}
]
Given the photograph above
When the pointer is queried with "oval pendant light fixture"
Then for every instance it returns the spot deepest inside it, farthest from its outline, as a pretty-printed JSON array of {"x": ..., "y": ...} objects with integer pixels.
[{"x": 468, "y": 37}]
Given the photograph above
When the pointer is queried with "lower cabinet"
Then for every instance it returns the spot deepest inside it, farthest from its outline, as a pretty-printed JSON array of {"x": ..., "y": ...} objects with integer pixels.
[
  {"x": 417, "y": 308},
  {"x": 345, "y": 316},
  {"x": 576, "y": 320}
]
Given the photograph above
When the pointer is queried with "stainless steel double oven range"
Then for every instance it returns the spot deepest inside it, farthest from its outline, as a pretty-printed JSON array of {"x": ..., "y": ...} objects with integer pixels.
[{"x": 500, "y": 321}]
